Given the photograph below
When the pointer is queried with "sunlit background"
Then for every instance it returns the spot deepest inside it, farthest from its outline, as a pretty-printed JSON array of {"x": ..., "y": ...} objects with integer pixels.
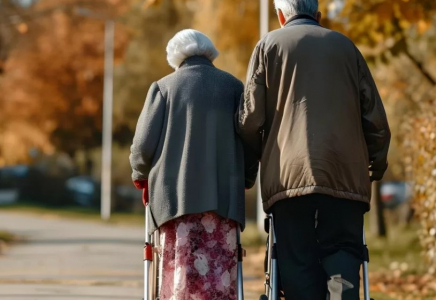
[{"x": 52, "y": 79}]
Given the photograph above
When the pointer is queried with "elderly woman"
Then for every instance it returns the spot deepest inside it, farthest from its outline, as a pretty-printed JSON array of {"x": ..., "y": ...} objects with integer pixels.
[{"x": 186, "y": 149}]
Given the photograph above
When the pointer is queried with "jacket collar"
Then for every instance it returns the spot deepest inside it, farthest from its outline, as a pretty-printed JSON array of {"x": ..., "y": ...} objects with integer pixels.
[
  {"x": 196, "y": 60},
  {"x": 302, "y": 20}
]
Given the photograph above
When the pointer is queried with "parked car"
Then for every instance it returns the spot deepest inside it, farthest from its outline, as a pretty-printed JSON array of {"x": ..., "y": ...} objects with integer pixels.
[
  {"x": 12, "y": 182},
  {"x": 86, "y": 191},
  {"x": 128, "y": 198},
  {"x": 395, "y": 193},
  {"x": 83, "y": 190}
]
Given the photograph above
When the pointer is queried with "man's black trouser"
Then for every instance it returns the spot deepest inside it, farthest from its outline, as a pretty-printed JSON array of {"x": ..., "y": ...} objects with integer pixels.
[{"x": 319, "y": 246}]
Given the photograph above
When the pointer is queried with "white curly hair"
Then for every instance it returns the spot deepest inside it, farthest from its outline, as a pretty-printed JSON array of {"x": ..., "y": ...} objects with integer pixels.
[
  {"x": 187, "y": 43},
  {"x": 292, "y": 8}
]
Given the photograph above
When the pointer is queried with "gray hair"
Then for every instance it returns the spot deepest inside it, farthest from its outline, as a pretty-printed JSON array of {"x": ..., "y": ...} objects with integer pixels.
[
  {"x": 187, "y": 43},
  {"x": 291, "y": 8}
]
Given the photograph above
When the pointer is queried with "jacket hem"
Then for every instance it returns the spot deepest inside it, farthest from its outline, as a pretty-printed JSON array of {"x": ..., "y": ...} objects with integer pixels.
[
  {"x": 156, "y": 224},
  {"x": 308, "y": 190}
]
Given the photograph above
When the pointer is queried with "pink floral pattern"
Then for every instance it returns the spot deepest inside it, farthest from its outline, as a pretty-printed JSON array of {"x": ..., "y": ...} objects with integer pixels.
[{"x": 198, "y": 258}]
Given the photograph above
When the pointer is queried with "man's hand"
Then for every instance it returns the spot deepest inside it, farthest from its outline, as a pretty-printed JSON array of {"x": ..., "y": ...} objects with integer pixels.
[
  {"x": 142, "y": 185},
  {"x": 376, "y": 175}
]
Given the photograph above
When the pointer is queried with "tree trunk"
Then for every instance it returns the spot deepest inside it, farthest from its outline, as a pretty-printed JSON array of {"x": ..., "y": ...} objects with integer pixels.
[
  {"x": 377, "y": 217},
  {"x": 89, "y": 163}
]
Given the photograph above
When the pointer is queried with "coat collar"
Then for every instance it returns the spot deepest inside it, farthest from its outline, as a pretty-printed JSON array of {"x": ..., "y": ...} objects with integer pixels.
[
  {"x": 302, "y": 20},
  {"x": 196, "y": 60}
]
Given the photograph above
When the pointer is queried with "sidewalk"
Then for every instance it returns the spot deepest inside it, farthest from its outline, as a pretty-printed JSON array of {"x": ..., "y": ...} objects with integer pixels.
[{"x": 67, "y": 259}]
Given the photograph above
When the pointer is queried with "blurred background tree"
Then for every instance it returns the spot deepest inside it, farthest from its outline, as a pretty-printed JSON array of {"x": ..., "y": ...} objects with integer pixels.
[{"x": 53, "y": 86}]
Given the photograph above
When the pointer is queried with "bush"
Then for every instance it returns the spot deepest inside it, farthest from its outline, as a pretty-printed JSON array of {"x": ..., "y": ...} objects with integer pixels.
[{"x": 420, "y": 165}]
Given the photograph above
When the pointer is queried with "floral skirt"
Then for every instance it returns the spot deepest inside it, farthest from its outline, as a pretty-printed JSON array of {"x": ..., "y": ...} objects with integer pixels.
[{"x": 198, "y": 258}]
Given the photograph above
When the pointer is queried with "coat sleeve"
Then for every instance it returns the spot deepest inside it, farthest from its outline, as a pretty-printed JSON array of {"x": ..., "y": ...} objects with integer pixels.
[
  {"x": 148, "y": 133},
  {"x": 374, "y": 121},
  {"x": 251, "y": 163},
  {"x": 251, "y": 114}
]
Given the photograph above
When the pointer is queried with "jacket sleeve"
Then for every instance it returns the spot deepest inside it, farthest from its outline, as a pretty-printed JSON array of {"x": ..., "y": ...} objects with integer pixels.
[
  {"x": 374, "y": 121},
  {"x": 251, "y": 163},
  {"x": 148, "y": 133},
  {"x": 251, "y": 114}
]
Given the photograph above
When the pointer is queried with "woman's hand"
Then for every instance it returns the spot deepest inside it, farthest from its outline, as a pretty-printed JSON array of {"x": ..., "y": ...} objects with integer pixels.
[{"x": 142, "y": 185}]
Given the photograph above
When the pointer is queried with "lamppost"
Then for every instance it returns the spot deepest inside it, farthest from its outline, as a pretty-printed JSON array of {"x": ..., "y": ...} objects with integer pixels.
[
  {"x": 264, "y": 26},
  {"x": 106, "y": 164}
]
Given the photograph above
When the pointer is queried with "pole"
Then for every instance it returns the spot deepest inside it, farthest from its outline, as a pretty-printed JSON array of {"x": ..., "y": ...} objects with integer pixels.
[
  {"x": 264, "y": 17},
  {"x": 373, "y": 213},
  {"x": 106, "y": 175},
  {"x": 264, "y": 25}
]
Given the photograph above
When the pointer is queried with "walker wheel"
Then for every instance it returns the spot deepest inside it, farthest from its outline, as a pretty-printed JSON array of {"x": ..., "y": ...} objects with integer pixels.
[{"x": 263, "y": 297}]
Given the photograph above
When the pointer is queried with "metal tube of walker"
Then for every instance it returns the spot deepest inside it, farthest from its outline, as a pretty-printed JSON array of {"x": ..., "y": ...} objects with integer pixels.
[
  {"x": 155, "y": 266},
  {"x": 240, "y": 285},
  {"x": 365, "y": 273},
  {"x": 274, "y": 282},
  {"x": 269, "y": 273},
  {"x": 147, "y": 262},
  {"x": 274, "y": 269},
  {"x": 240, "y": 274},
  {"x": 365, "y": 281}
]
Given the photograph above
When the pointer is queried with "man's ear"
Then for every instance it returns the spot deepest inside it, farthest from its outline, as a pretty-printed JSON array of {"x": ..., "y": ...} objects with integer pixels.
[
  {"x": 318, "y": 16},
  {"x": 282, "y": 18}
]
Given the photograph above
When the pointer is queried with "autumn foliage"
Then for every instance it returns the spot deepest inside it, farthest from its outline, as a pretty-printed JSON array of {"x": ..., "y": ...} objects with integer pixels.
[
  {"x": 420, "y": 160},
  {"x": 52, "y": 80}
]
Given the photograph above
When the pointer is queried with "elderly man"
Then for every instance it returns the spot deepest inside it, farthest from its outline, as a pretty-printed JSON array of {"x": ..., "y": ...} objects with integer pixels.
[{"x": 314, "y": 118}]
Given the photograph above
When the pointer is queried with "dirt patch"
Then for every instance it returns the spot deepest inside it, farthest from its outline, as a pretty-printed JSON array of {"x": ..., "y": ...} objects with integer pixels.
[
  {"x": 6, "y": 238},
  {"x": 401, "y": 286},
  {"x": 253, "y": 271}
]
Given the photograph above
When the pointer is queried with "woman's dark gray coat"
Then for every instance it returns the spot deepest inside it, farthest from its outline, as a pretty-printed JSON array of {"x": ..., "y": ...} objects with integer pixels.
[{"x": 186, "y": 145}]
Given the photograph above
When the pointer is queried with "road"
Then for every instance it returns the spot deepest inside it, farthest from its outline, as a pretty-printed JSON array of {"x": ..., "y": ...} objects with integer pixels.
[
  {"x": 70, "y": 259},
  {"x": 64, "y": 259}
]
